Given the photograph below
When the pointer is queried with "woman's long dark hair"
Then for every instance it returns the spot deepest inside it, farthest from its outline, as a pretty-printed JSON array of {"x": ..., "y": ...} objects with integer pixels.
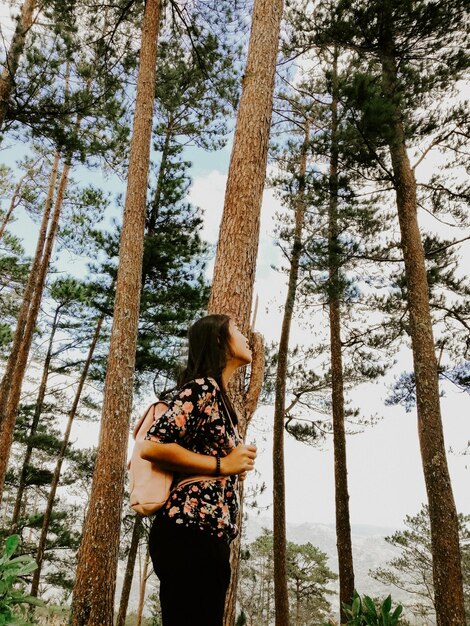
[{"x": 209, "y": 347}]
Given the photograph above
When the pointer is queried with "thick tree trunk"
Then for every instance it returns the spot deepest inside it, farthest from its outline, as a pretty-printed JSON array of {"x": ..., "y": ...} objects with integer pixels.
[
  {"x": 7, "y": 79},
  {"x": 343, "y": 526},
  {"x": 129, "y": 574},
  {"x": 447, "y": 573},
  {"x": 13, "y": 367},
  {"x": 235, "y": 265},
  {"x": 237, "y": 248},
  {"x": 37, "y": 414},
  {"x": 93, "y": 596},
  {"x": 281, "y": 597},
  {"x": 60, "y": 459}
]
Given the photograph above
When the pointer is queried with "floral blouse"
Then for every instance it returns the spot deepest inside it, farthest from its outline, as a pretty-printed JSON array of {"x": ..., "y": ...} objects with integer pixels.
[{"x": 196, "y": 420}]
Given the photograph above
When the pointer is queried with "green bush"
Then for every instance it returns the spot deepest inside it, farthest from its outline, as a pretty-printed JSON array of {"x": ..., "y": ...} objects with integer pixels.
[
  {"x": 364, "y": 612},
  {"x": 12, "y": 598}
]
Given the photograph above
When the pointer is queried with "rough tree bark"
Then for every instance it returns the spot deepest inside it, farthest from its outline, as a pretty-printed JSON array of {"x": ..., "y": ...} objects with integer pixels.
[
  {"x": 60, "y": 459},
  {"x": 343, "y": 525},
  {"x": 235, "y": 264},
  {"x": 7, "y": 79},
  {"x": 7, "y": 418},
  {"x": 129, "y": 574},
  {"x": 447, "y": 572},
  {"x": 37, "y": 414},
  {"x": 93, "y": 595},
  {"x": 281, "y": 597},
  {"x": 237, "y": 247},
  {"x": 251, "y": 400}
]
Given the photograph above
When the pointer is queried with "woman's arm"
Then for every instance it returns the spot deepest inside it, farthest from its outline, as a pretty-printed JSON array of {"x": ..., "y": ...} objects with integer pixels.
[{"x": 175, "y": 458}]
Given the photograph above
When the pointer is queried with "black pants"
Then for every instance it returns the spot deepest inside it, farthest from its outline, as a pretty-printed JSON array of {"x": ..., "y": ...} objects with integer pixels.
[{"x": 194, "y": 572}]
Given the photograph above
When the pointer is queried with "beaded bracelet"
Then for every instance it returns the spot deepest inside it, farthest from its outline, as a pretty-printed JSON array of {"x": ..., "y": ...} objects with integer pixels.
[{"x": 217, "y": 469}]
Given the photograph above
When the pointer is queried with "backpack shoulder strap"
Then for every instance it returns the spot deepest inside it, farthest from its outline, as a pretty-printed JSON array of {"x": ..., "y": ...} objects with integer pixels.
[{"x": 151, "y": 408}]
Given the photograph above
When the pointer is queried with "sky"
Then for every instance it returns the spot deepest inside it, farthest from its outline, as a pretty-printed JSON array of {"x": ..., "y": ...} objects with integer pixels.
[{"x": 384, "y": 468}]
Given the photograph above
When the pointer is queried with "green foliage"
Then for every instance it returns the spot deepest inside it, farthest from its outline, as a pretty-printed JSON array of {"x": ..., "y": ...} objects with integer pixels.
[
  {"x": 14, "y": 266},
  {"x": 412, "y": 568},
  {"x": 12, "y": 596},
  {"x": 365, "y": 612},
  {"x": 308, "y": 576}
]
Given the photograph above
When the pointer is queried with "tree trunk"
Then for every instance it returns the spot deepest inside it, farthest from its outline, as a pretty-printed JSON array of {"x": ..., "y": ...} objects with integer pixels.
[
  {"x": 6, "y": 435},
  {"x": 297, "y": 604},
  {"x": 447, "y": 573},
  {"x": 60, "y": 459},
  {"x": 37, "y": 414},
  {"x": 343, "y": 526},
  {"x": 7, "y": 420},
  {"x": 246, "y": 408},
  {"x": 143, "y": 585},
  {"x": 129, "y": 575},
  {"x": 152, "y": 221},
  {"x": 93, "y": 595},
  {"x": 7, "y": 79},
  {"x": 237, "y": 248},
  {"x": 281, "y": 596},
  {"x": 235, "y": 547},
  {"x": 235, "y": 265}
]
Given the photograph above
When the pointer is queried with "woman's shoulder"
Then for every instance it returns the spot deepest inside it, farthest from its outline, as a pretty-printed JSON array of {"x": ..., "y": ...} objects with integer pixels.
[{"x": 203, "y": 383}]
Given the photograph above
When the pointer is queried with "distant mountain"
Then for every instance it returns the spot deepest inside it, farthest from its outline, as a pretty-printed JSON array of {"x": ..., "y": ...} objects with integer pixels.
[{"x": 370, "y": 551}]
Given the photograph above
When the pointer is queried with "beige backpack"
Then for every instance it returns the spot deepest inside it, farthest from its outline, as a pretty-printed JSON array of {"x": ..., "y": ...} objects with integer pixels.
[{"x": 150, "y": 486}]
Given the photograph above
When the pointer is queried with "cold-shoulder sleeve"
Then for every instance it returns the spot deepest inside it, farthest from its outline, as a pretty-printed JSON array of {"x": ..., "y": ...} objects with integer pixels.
[{"x": 193, "y": 403}]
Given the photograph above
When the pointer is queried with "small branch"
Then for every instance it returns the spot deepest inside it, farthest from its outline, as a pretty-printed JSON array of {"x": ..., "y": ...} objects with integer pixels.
[{"x": 432, "y": 145}]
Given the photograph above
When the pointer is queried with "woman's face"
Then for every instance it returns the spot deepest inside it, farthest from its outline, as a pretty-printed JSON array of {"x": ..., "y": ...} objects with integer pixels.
[{"x": 239, "y": 345}]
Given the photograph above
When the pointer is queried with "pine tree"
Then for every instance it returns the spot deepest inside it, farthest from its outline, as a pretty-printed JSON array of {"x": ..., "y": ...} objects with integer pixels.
[
  {"x": 411, "y": 570},
  {"x": 338, "y": 231},
  {"x": 387, "y": 42},
  {"x": 70, "y": 145},
  {"x": 129, "y": 574},
  {"x": 235, "y": 263},
  {"x": 279, "y": 505},
  {"x": 405, "y": 60},
  {"x": 308, "y": 575},
  {"x": 7, "y": 78},
  {"x": 343, "y": 525},
  {"x": 93, "y": 603},
  {"x": 14, "y": 269}
]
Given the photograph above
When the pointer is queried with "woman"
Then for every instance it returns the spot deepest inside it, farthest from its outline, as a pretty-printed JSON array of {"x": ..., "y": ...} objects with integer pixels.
[{"x": 190, "y": 536}]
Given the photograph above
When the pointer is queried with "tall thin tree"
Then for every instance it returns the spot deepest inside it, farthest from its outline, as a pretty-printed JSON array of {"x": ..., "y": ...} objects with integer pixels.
[
  {"x": 235, "y": 265},
  {"x": 93, "y": 594},
  {"x": 7, "y": 417},
  {"x": 41, "y": 547},
  {"x": 129, "y": 574},
  {"x": 443, "y": 514},
  {"x": 36, "y": 415},
  {"x": 343, "y": 525},
  {"x": 281, "y": 597}
]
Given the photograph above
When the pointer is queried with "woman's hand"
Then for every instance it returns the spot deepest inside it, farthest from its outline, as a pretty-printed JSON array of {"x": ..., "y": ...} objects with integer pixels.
[{"x": 239, "y": 461}]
